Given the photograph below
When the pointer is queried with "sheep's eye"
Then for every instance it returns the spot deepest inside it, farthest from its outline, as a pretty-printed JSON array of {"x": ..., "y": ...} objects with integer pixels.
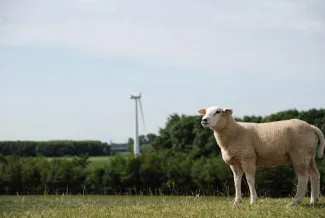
[{"x": 217, "y": 112}]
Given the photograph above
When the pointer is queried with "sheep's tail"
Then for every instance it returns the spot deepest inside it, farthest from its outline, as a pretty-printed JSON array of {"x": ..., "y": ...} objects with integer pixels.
[{"x": 321, "y": 140}]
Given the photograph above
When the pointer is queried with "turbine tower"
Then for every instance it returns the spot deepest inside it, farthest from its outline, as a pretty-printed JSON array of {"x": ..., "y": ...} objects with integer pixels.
[{"x": 137, "y": 98}]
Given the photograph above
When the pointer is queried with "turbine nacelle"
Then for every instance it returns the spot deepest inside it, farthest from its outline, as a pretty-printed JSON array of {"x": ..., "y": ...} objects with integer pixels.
[{"x": 135, "y": 96}]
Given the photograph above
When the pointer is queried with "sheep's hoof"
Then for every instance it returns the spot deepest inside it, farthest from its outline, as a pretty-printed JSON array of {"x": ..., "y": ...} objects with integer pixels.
[
  {"x": 313, "y": 201},
  {"x": 237, "y": 203},
  {"x": 294, "y": 203},
  {"x": 253, "y": 201}
]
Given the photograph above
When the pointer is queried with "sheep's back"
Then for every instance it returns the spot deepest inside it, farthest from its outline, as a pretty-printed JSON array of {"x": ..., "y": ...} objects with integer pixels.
[{"x": 274, "y": 141}]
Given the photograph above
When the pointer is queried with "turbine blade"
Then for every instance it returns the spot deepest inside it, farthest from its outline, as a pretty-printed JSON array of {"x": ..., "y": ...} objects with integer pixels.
[{"x": 144, "y": 125}]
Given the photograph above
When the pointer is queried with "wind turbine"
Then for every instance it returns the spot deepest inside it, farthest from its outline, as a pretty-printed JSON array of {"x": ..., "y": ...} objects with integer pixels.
[{"x": 137, "y": 97}]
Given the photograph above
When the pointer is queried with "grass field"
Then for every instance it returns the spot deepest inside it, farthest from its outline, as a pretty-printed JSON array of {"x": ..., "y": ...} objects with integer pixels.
[
  {"x": 95, "y": 160},
  {"x": 151, "y": 206},
  {"x": 99, "y": 161}
]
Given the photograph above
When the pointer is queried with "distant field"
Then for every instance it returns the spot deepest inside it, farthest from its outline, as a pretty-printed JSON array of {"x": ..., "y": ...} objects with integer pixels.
[
  {"x": 151, "y": 206},
  {"x": 95, "y": 160}
]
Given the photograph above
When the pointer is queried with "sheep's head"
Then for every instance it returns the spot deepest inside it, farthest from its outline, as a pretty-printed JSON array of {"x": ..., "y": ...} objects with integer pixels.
[{"x": 215, "y": 117}]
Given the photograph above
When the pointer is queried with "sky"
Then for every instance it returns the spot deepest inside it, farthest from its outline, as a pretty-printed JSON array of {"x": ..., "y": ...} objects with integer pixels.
[{"x": 67, "y": 66}]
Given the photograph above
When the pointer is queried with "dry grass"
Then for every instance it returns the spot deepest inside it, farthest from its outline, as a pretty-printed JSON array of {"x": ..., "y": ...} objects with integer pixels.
[{"x": 151, "y": 206}]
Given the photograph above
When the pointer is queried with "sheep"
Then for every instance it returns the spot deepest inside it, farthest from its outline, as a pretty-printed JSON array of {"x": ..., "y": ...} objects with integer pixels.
[{"x": 245, "y": 146}]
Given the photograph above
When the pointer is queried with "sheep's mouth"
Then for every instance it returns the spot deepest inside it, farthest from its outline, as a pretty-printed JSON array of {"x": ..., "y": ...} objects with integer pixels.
[{"x": 205, "y": 123}]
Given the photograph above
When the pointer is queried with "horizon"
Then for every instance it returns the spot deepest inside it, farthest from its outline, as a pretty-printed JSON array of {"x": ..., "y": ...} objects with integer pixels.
[
  {"x": 126, "y": 141},
  {"x": 67, "y": 66}
]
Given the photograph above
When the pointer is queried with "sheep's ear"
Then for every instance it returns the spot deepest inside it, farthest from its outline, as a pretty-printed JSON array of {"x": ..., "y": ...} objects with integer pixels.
[
  {"x": 227, "y": 111},
  {"x": 202, "y": 111}
]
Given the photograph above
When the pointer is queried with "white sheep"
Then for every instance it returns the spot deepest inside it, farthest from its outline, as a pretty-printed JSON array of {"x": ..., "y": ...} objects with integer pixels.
[{"x": 245, "y": 146}]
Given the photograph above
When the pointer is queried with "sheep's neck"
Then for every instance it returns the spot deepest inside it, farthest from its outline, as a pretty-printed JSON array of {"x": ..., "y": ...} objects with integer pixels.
[{"x": 226, "y": 135}]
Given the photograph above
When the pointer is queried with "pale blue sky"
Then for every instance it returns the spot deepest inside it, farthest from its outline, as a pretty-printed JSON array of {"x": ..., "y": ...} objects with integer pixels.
[{"x": 67, "y": 66}]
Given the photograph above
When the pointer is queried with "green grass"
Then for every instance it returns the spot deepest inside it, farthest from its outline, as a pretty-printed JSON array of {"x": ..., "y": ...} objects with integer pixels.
[
  {"x": 99, "y": 161},
  {"x": 94, "y": 160},
  {"x": 151, "y": 206}
]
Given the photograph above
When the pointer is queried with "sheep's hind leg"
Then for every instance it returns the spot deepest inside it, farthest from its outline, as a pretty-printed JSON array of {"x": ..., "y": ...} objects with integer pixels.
[
  {"x": 238, "y": 175},
  {"x": 314, "y": 181},
  {"x": 302, "y": 173}
]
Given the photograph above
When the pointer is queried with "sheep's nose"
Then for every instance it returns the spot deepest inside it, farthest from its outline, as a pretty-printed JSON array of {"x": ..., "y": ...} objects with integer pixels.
[{"x": 205, "y": 120}]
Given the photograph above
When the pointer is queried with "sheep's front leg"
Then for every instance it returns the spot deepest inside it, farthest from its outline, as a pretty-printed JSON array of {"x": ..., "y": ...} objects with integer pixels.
[
  {"x": 250, "y": 170},
  {"x": 238, "y": 175}
]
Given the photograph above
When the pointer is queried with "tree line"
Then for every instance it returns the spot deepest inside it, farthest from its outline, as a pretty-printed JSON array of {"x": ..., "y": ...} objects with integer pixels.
[
  {"x": 54, "y": 148},
  {"x": 183, "y": 159}
]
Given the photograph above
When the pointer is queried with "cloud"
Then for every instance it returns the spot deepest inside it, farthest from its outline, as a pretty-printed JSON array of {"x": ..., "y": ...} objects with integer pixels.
[
  {"x": 312, "y": 26},
  {"x": 213, "y": 35},
  {"x": 83, "y": 1}
]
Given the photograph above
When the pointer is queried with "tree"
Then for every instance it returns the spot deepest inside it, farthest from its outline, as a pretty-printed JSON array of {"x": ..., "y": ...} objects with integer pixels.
[
  {"x": 145, "y": 142},
  {"x": 3, "y": 163},
  {"x": 3, "y": 160}
]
